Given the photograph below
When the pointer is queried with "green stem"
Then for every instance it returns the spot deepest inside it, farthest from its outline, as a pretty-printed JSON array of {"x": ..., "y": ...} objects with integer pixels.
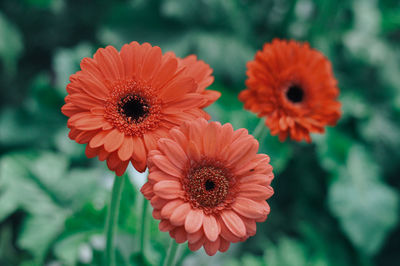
[
  {"x": 173, "y": 247},
  {"x": 259, "y": 131},
  {"x": 143, "y": 229},
  {"x": 112, "y": 220}
]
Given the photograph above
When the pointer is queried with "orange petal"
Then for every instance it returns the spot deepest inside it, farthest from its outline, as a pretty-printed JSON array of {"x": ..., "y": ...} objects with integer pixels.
[
  {"x": 98, "y": 140},
  {"x": 128, "y": 54},
  {"x": 103, "y": 154},
  {"x": 177, "y": 88},
  {"x": 226, "y": 233},
  {"x": 248, "y": 208},
  {"x": 194, "y": 221},
  {"x": 173, "y": 152},
  {"x": 168, "y": 189},
  {"x": 156, "y": 175},
  {"x": 90, "y": 122},
  {"x": 158, "y": 202},
  {"x": 126, "y": 149},
  {"x": 196, "y": 245},
  {"x": 121, "y": 168},
  {"x": 165, "y": 226},
  {"x": 139, "y": 152},
  {"x": 165, "y": 165},
  {"x": 224, "y": 245},
  {"x": 255, "y": 191},
  {"x": 211, "y": 227},
  {"x": 196, "y": 236},
  {"x": 210, "y": 139},
  {"x": 113, "y": 140},
  {"x": 166, "y": 71},
  {"x": 233, "y": 223},
  {"x": 180, "y": 235},
  {"x": 179, "y": 137},
  {"x": 113, "y": 161},
  {"x": 211, "y": 247},
  {"x": 244, "y": 149},
  {"x": 151, "y": 63},
  {"x": 168, "y": 208},
  {"x": 85, "y": 136},
  {"x": 251, "y": 226},
  {"x": 90, "y": 152},
  {"x": 109, "y": 63},
  {"x": 150, "y": 142},
  {"x": 179, "y": 214},
  {"x": 147, "y": 191}
]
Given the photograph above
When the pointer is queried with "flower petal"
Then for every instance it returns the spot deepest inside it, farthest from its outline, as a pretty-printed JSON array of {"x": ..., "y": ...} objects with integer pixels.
[
  {"x": 168, "y": 189},
  {"x": 233, "y": 223},
  {"x": 168, "y": 208},
  {"x": 248, "y": 208},
  {"x": 113, "y": 140},
  {"x": 194, "y": 237},
  {"x": 165, "y": 226},
  {"x": 98, "y": 140},
  {"x": 194, "y": 221},
  {"x": 173, "y": 152},
  {"x": 126, "y": 149},
  {"x": 211, "y": 227},
  {"x": 165, "y": 165},
  {"x": 196, "y": 245},
  {"x": 256, "y": 192},
  {"x": 179, "y": 215},
  {"x": 224, "y": 245},
  {"x": 211, "y": 247},
  {"x": 139, "y": 152}
]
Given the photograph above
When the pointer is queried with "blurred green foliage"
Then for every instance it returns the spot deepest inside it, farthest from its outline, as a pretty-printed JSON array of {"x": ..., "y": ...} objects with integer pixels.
[{"x": 336, "y": 200}]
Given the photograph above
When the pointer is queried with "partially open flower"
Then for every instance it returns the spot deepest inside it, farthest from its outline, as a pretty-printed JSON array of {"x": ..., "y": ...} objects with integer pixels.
[
  {"x": 292, "y": 86},
  {"x": 208, "y": 185},
  {"x": 121, "y": 103}
]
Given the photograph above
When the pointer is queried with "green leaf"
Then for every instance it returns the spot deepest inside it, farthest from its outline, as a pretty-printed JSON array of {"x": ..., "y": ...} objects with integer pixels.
[
  {"x": 67, "y": 249},
  {"x": 66, "y": 62},
  {"x": 7, "y": 206},
  {"x": 16, "y": 122},
  {"x": 38, "y": 184},
  {"x": 332, "y": 148},
  {"x": 250, "y": 260},
  {"x": 11, "y": 45},
  {"x": 287, "y": 251},
  {"x": 365, "y": 206},
  {"x": 225, "y": 53},
  {"x": 39, "y": 231}
]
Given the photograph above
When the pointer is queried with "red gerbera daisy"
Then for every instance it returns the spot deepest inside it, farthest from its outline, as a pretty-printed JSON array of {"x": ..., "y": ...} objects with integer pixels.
[
  {"x": 121, "y": 103},
  {"x": 208, "y": 185},
  {"x": 293, "y": 86}
]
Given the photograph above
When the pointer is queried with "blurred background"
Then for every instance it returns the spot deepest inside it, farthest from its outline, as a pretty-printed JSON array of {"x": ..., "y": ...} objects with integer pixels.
[{"x": 336, "y": 200}]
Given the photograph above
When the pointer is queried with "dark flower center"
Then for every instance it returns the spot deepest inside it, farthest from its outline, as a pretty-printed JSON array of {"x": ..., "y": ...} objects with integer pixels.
[
  {"x": 134, "y": 108},
  {"x": 207, "y": 186},
  {"x": 295, "y": 94}
]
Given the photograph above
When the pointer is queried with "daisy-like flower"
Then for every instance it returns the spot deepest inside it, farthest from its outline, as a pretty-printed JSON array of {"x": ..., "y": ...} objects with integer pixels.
[
  {"x": 293, "y": 86},
  {"x": 121, "y": 103},
  {"x": 208, "y": 185}
]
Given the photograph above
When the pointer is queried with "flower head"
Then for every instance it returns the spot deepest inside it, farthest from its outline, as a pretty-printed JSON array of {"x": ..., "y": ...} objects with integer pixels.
[
  {"x": 121, "y": 103},
  {"x": 208, "y": 185},
  {"x": 293, "y": 86}
]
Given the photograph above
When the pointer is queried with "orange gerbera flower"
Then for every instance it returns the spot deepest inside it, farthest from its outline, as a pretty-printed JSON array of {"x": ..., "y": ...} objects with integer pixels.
[
  {"x": 293, "y": 86},
  {"x": 121, "y": 103},
  {"x": 208, "y": 185}
]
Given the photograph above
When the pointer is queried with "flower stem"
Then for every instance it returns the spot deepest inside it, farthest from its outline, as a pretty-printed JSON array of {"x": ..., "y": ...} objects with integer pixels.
[
  {"x": 143, "y": 229},
  {"x": 112, "y": 220},
  {"x": 259, "y": 131},
  {"x": 173, "y": 247}
]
